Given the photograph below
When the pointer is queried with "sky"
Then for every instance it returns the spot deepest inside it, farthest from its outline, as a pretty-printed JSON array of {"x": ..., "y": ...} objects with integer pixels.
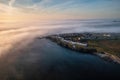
[{"x": 15, "y": 10}]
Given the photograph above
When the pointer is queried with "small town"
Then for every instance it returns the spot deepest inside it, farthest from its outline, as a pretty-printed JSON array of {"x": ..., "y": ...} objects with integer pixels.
[{"x": 91, "y": 43}]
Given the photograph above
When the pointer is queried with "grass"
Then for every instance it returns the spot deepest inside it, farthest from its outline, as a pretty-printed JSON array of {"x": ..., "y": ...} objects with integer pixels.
[{"x": 110, "y": 46}]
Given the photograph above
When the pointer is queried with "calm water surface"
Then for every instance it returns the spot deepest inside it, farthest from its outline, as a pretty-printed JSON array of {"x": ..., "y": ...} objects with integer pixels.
[
  {"x": 23, "y": 57},
  {"x": 45, "y": 60}
]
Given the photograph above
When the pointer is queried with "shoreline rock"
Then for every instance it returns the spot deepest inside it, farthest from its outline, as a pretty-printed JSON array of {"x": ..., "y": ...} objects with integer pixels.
[
  {"x": 109, "y": 57},
  {"x": 72, "y": 45},
  {"x": 84, "y": 49}
]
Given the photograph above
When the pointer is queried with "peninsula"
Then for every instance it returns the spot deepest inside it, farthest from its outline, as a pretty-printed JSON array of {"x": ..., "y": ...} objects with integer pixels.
[{"x": 104, "y": 45}]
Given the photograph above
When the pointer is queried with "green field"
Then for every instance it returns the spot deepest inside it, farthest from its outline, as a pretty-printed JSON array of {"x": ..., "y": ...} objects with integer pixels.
[{"x": 110, "y": 46}]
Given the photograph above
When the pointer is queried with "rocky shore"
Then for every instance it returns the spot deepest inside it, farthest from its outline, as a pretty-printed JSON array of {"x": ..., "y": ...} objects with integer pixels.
[
  {"x": 109, "y": 57},
  {"x": 65, "y": 41},
  {"x": 72, "y": 45}
]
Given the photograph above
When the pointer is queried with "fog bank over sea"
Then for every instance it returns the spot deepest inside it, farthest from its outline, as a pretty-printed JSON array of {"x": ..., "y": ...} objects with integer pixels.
[
  {"x": 25, "y": 57},
  {"x": 14, "y": 33}
]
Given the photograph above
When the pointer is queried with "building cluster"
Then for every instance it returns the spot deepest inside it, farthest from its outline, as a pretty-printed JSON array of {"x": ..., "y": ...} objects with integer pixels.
[
  {"x": 77, "y": 46},
  {"x": 77, "y": 37},
  {"x": 80, "y": 39},
  {"x": 71, "y": 42}
]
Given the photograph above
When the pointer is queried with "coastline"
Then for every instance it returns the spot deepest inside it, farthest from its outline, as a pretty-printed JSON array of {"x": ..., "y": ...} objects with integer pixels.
[
  {"x": 83, "y": 48},
  {"x": 109, "y": 57}
]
